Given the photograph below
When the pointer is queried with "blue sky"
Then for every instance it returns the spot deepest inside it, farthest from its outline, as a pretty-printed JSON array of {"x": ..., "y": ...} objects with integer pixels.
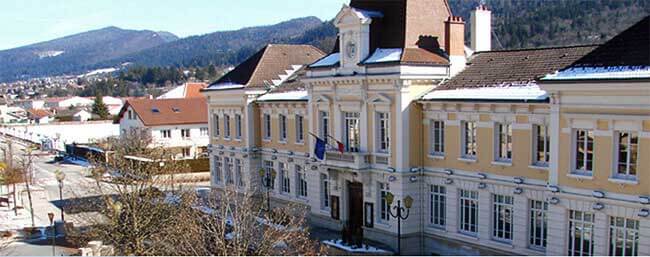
[{"x": 31, "y": 21}]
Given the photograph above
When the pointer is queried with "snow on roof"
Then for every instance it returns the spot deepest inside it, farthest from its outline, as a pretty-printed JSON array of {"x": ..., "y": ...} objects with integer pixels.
[
  {"x": 289, "y": 73},
  {"x": 365, "y": 14},
  {"x": 611, "y": 72},
  {"x": 224, "y": 86},
  {"x": 385, "y": 55},
  {"x": 329, "y": 60},
  {"x": 529, "y": 92},
  {"x": 285, "y": 96}
]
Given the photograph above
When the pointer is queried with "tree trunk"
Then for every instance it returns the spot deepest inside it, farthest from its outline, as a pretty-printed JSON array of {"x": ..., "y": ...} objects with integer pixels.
[{"x": 15, "y": 201}]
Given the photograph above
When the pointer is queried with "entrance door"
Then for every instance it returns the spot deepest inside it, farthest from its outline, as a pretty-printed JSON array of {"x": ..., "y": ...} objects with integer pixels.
[{"x": 355, "y": 211}]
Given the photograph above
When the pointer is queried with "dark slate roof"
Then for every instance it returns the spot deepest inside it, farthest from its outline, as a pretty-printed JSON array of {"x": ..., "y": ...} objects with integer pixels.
[
  {"x": 629, "y": 48},
  {"x": 258, "y": 71},
  {"x": 501, "y": 68}
]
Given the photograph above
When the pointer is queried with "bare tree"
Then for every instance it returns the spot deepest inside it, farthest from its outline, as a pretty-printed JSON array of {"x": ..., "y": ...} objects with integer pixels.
[
  {"x": 27, "y": 175},
  {"x": 144, "y": 213}
]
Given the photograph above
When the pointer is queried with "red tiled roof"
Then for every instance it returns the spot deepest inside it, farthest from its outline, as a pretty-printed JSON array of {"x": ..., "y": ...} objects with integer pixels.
[
  {"x": 38, "y": 113},
  {"x": 193, "y": 90},
  {"x": 159, "y": 112}
]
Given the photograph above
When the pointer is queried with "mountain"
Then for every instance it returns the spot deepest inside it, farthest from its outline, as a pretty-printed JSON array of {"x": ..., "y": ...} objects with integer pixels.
[
  {"x": 220, "y": 48},
  {"x": 76, "y": 53}
]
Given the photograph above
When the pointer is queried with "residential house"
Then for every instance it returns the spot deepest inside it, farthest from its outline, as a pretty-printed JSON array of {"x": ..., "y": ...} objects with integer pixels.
[
  {"x": 178, "y": 124},
  {"x": 39, "y": 116}
]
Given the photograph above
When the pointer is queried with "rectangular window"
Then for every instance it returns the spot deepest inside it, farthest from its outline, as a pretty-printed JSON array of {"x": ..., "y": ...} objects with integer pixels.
[
  {"x": 268, "y": 167},
  {"x": 324, "y": 126},
  {"x": 228, "y": 171},
  {"x": 302, "y": 182},
  {"x": 384, "y": 210},
  {"x": 352, "y": 137},
  {"x": 541, "y": 145},
  {"x": 238, "y": 126},
  {"x": 581, "y": 236},
  {"x": 627, "y": 149},
  {"x": 285, "y": 178},
  {"x": 185, "y": 133},
  {"x": 215, "y": 125},
  {"x": 130, "y": 115},
  {"x": 325, "y": 192},
  {"x": 538, "y": 226},
  {"x": 437, "y": 210},
  {"x": 282, "y": 119},
  {"x": 267, "y": 126},
  {"x": 238, "y": 173},
  {"x": 166, "y": 133},
  {"x": 203, "y": 132},
  {"x": 623, "y": 237},
  {"x": 469, "y": 140},
  {"x": 584, "y": 151},
  {"x": 468, "y": 212},
  {"x": 502, "y": 206},
  {"x": 300, "y": 129},
  {"x": 383, "y": 132},
  {"x": 217, "y": 169},
  {"x": 226, "y": 126},
  {"x": 503, "y": 142},
  {"x": 186, "y": 152},
  {"x": 437, "y": 137}
]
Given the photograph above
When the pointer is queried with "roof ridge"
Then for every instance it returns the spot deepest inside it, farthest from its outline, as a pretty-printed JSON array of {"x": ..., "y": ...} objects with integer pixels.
[{"x": 539, "y": 48}]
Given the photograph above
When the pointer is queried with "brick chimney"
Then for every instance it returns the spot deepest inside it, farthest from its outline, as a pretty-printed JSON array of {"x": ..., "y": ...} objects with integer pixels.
[
  {"x": 455, "y": 36},
  {"x": 481, "y": 19}
]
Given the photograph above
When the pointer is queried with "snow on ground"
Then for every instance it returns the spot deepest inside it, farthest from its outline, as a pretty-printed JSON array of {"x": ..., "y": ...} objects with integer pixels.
[
  {"x": 99, "y": 71},
  {"x": 385, "y": 55},
  {"x": 363, "y": 249}
]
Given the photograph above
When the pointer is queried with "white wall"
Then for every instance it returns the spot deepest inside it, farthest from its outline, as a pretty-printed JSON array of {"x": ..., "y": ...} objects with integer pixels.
[{"x": 64, "y": 133}]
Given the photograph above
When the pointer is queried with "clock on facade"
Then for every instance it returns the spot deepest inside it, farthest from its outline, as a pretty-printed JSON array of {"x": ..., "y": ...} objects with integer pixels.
[{"x": 351, "y": 49}]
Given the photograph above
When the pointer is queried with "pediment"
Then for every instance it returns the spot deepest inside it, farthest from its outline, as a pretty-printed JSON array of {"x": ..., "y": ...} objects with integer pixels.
[{"x": 351, "y": 16}]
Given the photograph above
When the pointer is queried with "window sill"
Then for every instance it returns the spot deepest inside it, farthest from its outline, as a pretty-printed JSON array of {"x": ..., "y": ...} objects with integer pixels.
[
  {"x": 226, "y": 139},
  {"x": 538, "y": 167},
  {"x": 468, "y": 235},
  {"x": 238, "y": 139},
  {"x": 502, "y": 163},
  {"x": 437, "y": 227},
  {"x": 502, "y": 242},
  {"x": 284, "y": 142},
  {"x": 467, "y": 159},
  {"x": 300, "y": 143},
  {"x": 580, "y": 176},
  {"x": 623, "y": 181},
  {"x": 266, "y": 140},
  {"x": 382, "y": 154},
  {"x": 437, "y": 156}
]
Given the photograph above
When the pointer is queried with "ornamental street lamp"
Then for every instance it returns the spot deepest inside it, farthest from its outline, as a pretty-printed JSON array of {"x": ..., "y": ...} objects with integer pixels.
[
  {"x": 268, "y": 176},
  {"x": 60, "y": 176},
  {"x": 51, "y": 217},
  {"x": 399, "y": 214}
]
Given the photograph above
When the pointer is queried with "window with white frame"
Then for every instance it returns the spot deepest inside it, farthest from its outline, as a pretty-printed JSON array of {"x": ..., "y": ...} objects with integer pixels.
[
  {"x": 227, "y": 163},
  {"x": 166, "y": 133},
  {"x": 384, "y": 207},
  {"x": 503, "y": 142},
  {"x": 185, "y": 133},
  {"x": 215, "y": 125},
  {"x": 226, "y": 126},
  {"x": 186, "y": 152},
  {"x": 538, "y": 231},
  {"x": 217, "y": 169},
  {"x": 282, "y": 119},
  {"x": 268, "y": 168},
  {"x": 324, "y": 192},
  {"x": 437, "y": 208},
  {"x": 502, "y": 206},
  {"x": 285, "y": 178},
  {"x": 581, "y": 233},
  {"x": 238, "y": 173},
  {"x": 238, "y": 126},
  {"x": 352, "y": 131},
  {"x": 323, "y": 125},
  {"x": 300, "y": 129},
  {"x": 627, "y": 149},
  {"x": 541, "y": 145},
  {"x": 267, "y": 126},
  {"x": 383, "y": 132},
  {"x": 301, "y": 179},
  {"x": 437, "y": 137},
  {"x": 468, "y": 223},
  {"x": 469, "y": 140},
  {"x": 203, "y": 132},
  {"x": 623, "y": 237},
  {"x": 584, "y": 152}
]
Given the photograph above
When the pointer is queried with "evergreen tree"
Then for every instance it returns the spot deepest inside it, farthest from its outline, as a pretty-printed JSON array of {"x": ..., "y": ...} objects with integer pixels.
[{"x": 100, "y": 108}]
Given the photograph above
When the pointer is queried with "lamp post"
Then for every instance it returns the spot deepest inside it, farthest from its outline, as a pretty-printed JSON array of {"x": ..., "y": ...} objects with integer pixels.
[
  {"x": 399, "y": 214},
  {"x": 267, "y": 181},
  {"x": 60, "y": 176},
  {"x": 50, "y": 215}
]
